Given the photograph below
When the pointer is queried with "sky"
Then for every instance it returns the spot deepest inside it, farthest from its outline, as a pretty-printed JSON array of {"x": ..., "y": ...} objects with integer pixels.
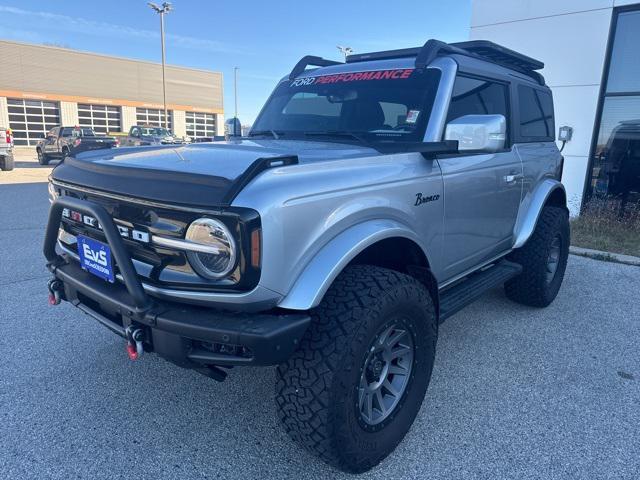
[{"x": 264, "y": 39}]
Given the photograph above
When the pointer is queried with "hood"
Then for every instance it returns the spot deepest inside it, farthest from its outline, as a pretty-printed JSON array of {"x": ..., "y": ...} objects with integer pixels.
[{"x": 199, "y": 175}]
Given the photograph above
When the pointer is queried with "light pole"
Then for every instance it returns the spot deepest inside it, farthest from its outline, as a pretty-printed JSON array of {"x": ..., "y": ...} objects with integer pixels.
[
  {"x": 164, "y": 9},
  {"x": 346, "y": 51},
  {"x": 235, "y": 99}
]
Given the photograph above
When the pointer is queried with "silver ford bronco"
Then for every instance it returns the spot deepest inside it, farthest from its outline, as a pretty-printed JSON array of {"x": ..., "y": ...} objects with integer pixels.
[{"x": 372, "y": 200}]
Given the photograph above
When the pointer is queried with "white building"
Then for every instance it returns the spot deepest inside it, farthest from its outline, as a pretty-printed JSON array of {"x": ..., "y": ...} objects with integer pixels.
[{"x": 591, "y": 51}]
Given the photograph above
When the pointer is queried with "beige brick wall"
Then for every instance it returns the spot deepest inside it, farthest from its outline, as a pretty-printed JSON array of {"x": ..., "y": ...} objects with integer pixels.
[
  {"x": 81, "y": 74},
  {"x": 128, "y": 118},
  {"x": 69, "y": 114},
  {"x": 4, "y": 113},
  {"x": 179, "y": 123},
  {"x": 220, "y": 124}
]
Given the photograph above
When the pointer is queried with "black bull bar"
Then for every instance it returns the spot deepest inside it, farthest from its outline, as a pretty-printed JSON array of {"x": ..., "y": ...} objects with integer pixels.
[{"x": 187, "y": 335}]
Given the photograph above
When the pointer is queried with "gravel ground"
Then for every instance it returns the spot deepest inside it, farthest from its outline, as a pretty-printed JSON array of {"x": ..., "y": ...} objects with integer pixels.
[{"x": 516, "y": 392}]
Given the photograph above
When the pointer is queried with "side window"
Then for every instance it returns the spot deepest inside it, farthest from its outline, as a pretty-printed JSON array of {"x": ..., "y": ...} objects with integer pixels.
[
  {"x": 472, "y": 96},
  {"x": 536, "y": 114},
  {"x": 66, "y": 132}
]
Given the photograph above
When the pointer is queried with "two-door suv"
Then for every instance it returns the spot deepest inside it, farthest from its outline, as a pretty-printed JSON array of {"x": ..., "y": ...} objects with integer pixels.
[{"x": 371, "y": 200}]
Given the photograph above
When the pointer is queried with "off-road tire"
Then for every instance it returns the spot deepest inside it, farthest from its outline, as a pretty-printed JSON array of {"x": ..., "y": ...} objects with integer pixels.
[
  {"x": 6, "y": 163},
  {"x": 532, "y": 287},
  {"x": 317, "y": 388},
  {"x": 43, "y": 159}
]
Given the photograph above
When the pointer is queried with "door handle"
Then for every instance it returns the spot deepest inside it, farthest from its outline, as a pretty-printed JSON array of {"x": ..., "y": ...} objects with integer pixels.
[{"x": 513, "y": 177}]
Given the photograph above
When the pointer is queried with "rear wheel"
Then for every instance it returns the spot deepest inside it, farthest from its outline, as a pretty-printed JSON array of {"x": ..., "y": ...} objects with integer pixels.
[
  {"x": 543, "y": 259},
  {"x": 43, "y": 159},
  {"x": 351, "y": 391}
]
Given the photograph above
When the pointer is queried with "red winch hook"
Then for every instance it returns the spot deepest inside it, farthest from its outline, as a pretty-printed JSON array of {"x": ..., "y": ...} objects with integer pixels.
[
  {"x": 54, "y": 286},
  {"x": 135, "y": 349}
]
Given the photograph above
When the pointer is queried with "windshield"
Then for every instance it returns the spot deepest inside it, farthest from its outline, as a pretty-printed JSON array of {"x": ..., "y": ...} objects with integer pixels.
[
  {"x": 156, "y": 131},
  {"x": 77, "y": 132},
  {"x": 367, "y": 106}
]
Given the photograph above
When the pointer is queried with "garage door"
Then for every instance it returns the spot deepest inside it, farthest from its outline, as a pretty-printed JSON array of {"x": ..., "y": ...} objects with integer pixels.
[
  {"x": 153, "y": 117},
  {"x": 30, "y": 120},
  {"x": 102, "y": 118},
  {"x": 200, "y": 124}
]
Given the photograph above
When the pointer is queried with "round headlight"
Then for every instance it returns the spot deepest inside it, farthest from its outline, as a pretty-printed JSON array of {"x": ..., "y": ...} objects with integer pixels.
[{"x": 221, "y": 259}]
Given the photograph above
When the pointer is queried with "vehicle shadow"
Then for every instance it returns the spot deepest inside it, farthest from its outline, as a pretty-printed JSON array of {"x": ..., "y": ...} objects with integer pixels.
[{"x": 34, "y": 164}]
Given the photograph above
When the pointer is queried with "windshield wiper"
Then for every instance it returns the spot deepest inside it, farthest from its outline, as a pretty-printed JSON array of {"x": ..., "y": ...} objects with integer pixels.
[
  {"x": 273, "y": 133},
  {"x": 339, "y": 134}
]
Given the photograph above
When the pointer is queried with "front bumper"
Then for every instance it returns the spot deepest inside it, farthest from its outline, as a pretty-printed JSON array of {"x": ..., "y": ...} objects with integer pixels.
[{"x": 188, "y": 336}]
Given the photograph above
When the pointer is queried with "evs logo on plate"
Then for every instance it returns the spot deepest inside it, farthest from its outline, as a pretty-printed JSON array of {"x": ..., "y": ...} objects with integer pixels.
[{"x": 95, "y": 257}]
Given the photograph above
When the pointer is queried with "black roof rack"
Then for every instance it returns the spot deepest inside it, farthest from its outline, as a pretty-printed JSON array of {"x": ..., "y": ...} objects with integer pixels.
[
  {"x": 310, "y": 60},
  {"x": 501, "y": 55},
  {"x": 480, "y": 49}
]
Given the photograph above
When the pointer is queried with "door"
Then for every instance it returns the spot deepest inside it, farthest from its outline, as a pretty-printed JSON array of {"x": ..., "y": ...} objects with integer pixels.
[
  {"x": 133, "y": 138},
  {"x": 482, "y": 191},
  {"x": 51, "y": 142}
]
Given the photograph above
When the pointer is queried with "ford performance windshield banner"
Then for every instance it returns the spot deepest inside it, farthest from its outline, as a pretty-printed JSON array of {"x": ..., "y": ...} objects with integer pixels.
[{"x": 397, "y": 74}]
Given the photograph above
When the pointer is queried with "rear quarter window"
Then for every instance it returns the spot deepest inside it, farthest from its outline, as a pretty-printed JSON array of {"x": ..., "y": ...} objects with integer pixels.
[{"x": 535, "y": 120}]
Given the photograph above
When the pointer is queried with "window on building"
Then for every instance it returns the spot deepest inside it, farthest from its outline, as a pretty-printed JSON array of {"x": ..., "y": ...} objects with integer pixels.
[
  {"x": 30, "y": 120},
  {"x": 154, "y": 117},
  {"x": 536, "y": 114},
  {"x": 624, "y": 69},
  {"x": 101, "y": 118},
  {"x": 615, "y": 154},
  {"x": 200, "y": 124}
]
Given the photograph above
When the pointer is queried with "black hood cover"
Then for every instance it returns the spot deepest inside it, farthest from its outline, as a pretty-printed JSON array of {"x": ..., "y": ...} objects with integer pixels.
[{"x": 198, "y": 176}]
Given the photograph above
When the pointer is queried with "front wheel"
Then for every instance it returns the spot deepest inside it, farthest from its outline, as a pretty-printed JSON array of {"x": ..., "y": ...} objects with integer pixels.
[
  {"x": 543, "y": 259},
  {"x": 351, "y": 391}
]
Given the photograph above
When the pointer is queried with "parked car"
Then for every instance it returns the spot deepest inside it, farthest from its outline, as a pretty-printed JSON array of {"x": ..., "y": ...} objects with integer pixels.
[
  {"x": 61, "y": 142},
  {"x": 140, "y": 135},
  {"x": 372, "y": 200},
  {"x": 6, "y": 149}
]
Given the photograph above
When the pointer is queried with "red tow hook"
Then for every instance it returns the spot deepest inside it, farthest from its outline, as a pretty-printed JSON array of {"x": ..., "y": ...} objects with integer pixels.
[
  {"x": 132, "y": 352},
  {"x": 135, "y": 349},
  {"x": 54, "y": 286}
]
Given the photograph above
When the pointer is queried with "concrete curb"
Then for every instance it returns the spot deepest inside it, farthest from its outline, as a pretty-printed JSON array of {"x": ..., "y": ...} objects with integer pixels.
[{"x": 605, "y": 256}]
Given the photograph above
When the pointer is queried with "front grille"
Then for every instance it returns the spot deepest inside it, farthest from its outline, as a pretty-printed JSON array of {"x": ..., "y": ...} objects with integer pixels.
[{"x": 159, "y": 266}]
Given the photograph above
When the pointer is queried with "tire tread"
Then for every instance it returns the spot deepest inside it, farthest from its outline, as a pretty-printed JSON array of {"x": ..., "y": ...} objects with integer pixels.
[{"x": 303, "y": 390}]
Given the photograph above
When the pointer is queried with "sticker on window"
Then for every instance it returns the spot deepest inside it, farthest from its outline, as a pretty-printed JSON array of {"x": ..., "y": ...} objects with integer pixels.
[
  {"x": 412, "y": 116},
  {"x": 398, "y": 74}
]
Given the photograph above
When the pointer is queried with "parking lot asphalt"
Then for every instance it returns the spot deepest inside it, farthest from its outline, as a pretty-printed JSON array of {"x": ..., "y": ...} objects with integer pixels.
[{"x": 517, "y": 393}]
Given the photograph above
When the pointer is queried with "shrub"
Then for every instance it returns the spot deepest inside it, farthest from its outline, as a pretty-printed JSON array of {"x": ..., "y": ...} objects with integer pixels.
[{"x": 605, "y": 225}]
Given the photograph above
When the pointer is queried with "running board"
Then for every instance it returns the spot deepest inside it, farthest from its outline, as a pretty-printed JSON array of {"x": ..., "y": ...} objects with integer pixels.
[{"x": 455, "y": 298}]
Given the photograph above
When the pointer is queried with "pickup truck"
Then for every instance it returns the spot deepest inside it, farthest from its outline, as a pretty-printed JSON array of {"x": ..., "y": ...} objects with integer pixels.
[
  {"x": 140, "y": 135},
  {"x": 6, "y": 149},
  {"x": 61, "y": 142}
]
